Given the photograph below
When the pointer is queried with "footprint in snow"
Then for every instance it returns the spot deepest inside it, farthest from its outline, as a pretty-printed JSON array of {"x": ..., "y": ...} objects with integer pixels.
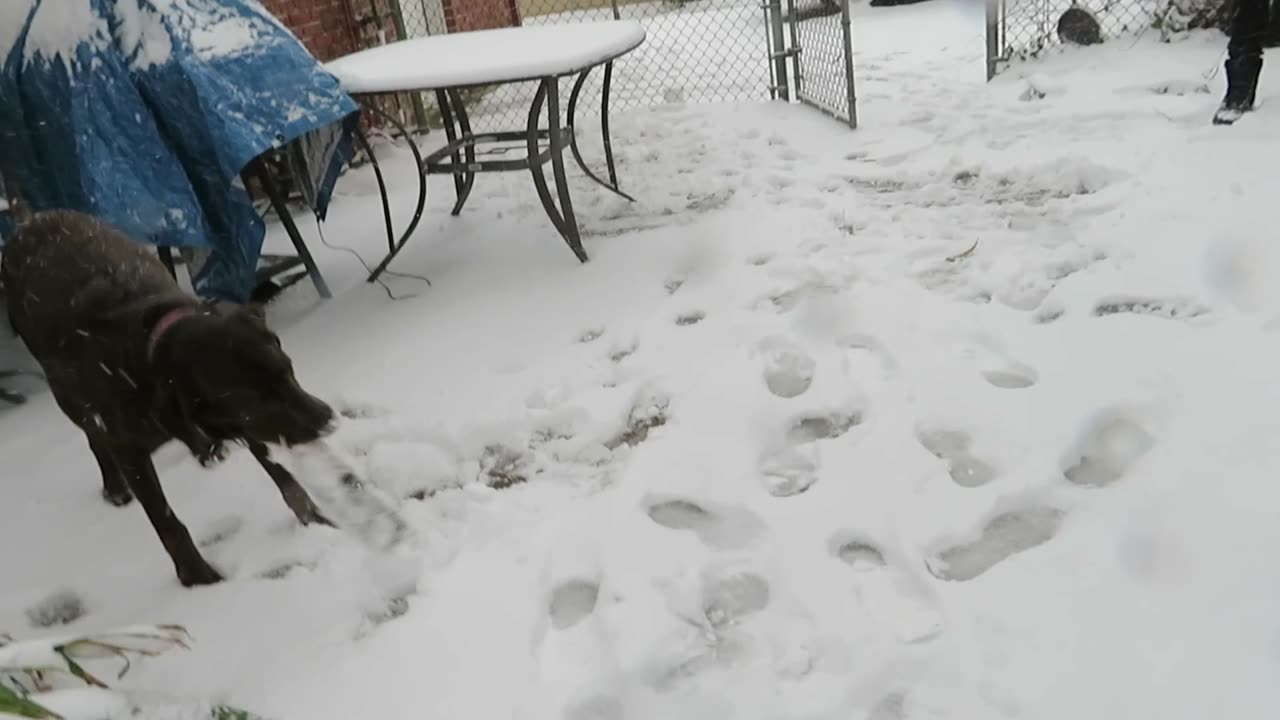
[
  {"x": 788, "y": 369},
  {"x": 890, "y": 707},
  {"x": 502, "y": 467},
  {"x": 60, "y": 608},
  {"x": 1012, "y": 377},
  {"x": 720, "y": 528},
  {"x": 872, "y": 351},
  {"x": 221, "y": 531},
  {"x": 994, "y": 363},
  {"x": 578, "y": 668},
  {"x": 285, "y": 569},
  {"x": 828, "y": 426},
  {"x": 729, "y": 597},
  {"x": 888, "y": 595},
  {"x": 1005, "y": 535},
  {"x": 794, "y": 469},
  {"x": 1169, "y": 309},
  {"x": 571, "y": 602},
  {"x": 590, "y": 335},
  {"x": 650, "y": 411},
  {"x": 785, "y": 301},
  {"x": 952, "y": 447},
  {"x": 790, "y": 472},
  {"x": 1108, "y": 447},
  {"x": 395, "y": 607},
  {"x": 1051, "y": 311},
  {"x": 693, "y": 317},
  {"x": 390, "y": 609},
  {"x": 621, "y": 350}
]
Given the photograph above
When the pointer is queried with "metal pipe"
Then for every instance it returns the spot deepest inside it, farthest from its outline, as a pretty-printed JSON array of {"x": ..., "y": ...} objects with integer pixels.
[
  {"x": 993, "y": 36},
  {"x": 846, "y": 28},
  {"x": 780, "y": 88}
]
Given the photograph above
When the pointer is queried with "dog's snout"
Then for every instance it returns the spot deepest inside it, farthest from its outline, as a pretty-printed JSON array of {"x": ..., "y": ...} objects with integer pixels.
[
  {"x": 311, "y": 420},
  {"x": 323, "y": 416}
]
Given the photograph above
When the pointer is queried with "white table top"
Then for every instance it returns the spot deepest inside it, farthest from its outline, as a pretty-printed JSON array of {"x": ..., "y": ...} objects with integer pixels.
[{"x": 486, "y": 56}]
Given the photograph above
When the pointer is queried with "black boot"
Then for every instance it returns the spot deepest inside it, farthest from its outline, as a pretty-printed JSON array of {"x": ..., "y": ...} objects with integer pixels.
[{"x": 1242, "y": 89}]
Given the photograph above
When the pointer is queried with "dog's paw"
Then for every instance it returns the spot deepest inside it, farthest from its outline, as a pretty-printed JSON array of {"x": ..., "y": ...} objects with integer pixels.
[
  {"x": 117, "y": 498},
  {"x": 197, "y": 574},
  {"x": 212, "y": 454}
]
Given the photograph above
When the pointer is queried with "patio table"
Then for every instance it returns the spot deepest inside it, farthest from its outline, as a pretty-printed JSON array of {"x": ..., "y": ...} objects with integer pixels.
[{"x": 446, "y": 64}]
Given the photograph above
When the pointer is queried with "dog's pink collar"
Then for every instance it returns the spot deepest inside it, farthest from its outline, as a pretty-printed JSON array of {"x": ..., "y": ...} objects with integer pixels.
[{"x": 162, "y": 326}]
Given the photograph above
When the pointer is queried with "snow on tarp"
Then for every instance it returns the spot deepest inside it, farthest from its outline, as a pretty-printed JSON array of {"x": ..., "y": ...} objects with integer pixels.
[
  {"x": 145, "y": 112},
  {"x": 486, "y": 56}
]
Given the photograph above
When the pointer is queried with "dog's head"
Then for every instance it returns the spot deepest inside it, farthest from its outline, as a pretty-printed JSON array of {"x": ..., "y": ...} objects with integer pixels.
[{"x": 234, "y": 381}]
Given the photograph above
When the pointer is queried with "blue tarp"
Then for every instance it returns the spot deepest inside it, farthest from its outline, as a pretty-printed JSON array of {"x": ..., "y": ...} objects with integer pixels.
[{"x": 145, "y": 112}]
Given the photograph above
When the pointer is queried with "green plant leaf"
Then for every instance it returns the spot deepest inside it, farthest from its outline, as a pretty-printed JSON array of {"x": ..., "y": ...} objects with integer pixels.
[
  {"x": 11, "y": 703},
  {"x": 65, "y": 654}
]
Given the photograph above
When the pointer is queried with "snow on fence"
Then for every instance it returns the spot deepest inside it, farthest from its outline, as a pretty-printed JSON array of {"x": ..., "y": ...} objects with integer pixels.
[{"x": 1021, "y": 29}]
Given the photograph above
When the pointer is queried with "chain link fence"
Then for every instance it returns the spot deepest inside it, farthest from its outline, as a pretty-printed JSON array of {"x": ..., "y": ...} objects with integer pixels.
[
  {"x": 1022, "y": 29},
  {"x": 696, "y": 51}
]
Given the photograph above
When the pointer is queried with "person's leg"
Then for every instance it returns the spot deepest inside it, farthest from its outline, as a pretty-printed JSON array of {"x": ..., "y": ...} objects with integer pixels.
[
  {"x": 1244, "y": 59},
  {"x": 1272, "y": 38}
]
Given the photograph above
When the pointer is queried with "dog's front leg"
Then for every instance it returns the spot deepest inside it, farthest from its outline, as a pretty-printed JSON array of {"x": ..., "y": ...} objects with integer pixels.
[
  {"x": 207, "y": 451},
  {"x": 191, "y": 567},
  {"x": 295, "y": 496}
]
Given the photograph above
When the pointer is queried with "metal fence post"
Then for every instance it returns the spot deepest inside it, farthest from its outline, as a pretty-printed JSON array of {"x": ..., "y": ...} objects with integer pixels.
[
  {"x": 993, "y": 36},
  {"x": 778, "y": 54},
  {"x": 846, "y": 28}
]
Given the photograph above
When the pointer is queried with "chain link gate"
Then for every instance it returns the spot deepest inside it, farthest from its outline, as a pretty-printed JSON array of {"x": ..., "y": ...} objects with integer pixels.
[
  {"x": 821, "y": 49},
  {"x": 697, "y": 51}
]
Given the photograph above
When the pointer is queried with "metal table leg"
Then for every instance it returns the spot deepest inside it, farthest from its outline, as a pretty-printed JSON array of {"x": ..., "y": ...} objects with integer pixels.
[
  {"x": 469, "y": 151},
  {"x": 394, "y": 246},
  {"x": 563, "y": 217},
  {"x": 463, "y": 178},
  {"x": 259, "y": 169},
  {"x": 612, "y": 185}
]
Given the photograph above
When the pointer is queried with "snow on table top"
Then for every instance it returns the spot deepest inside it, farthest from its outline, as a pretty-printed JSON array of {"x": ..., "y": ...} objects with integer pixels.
[{"x": 486, "y": 56}]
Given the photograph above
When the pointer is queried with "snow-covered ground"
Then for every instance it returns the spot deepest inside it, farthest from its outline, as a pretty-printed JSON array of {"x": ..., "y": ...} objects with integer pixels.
[{"x": 782, "y": 449}]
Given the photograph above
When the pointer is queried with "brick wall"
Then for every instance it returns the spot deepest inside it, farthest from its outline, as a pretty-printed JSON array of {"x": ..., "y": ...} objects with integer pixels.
[
  {"x": 331, "y": 28},
  {"x": 324, "y": 26},
  {"x": 466, "y": 15}
]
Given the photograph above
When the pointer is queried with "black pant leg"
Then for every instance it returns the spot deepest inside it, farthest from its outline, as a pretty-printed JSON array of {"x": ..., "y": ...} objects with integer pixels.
[{"x": 1244, "y": 51}]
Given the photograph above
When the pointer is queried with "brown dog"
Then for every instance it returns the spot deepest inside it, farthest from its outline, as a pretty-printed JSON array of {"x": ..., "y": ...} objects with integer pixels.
[{"x": 135, "y": 362}]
